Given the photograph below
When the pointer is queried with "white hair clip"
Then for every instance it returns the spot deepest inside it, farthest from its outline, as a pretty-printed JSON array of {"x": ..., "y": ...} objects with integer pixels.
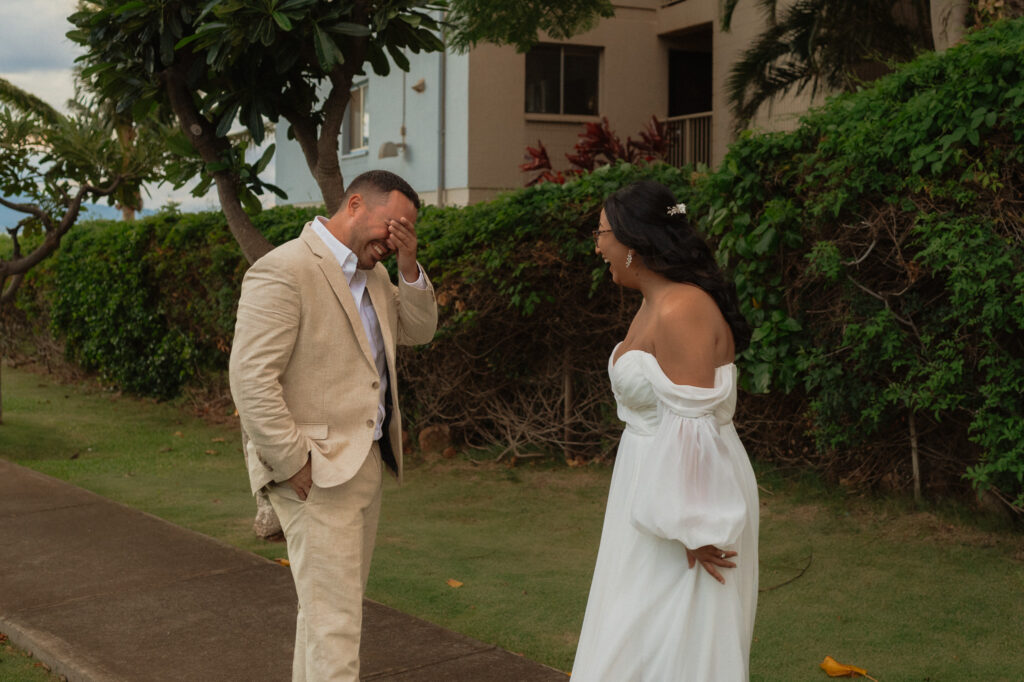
[{"x": 677, "y": 209}]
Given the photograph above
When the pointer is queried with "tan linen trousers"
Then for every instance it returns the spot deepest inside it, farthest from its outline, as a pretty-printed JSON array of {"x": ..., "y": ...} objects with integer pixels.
[{"x": 330, "y": 540}]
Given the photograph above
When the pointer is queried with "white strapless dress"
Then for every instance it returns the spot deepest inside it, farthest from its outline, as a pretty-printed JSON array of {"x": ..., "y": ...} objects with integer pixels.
[{"x": 681, "y": 479}]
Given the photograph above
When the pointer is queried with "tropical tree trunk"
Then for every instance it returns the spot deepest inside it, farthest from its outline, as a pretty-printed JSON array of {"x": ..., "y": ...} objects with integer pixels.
[
  {"x": 328, "y": 169},
  {"x": 319, "y": 143},
  {"x": 12, "y": 272},
  {"x": 211, "y": 150},
  {"x": 949, "y": 19}
]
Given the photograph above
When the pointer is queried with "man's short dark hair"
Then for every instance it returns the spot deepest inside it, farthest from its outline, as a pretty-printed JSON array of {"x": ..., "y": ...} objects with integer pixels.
[{"x": 384, "y": 182}]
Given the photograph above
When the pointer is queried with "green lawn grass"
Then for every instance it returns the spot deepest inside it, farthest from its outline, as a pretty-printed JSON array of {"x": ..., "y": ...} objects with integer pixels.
[
  {"x": 907, "y": 594},
  {"x": 19, "y": 666}
]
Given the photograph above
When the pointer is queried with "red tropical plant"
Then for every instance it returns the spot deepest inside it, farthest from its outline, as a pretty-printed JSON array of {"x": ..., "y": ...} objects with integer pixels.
[
  {"x": 540, "y": 162},
  {"x": 598, "y": 146},
  {"x": 652, "y": 145}
]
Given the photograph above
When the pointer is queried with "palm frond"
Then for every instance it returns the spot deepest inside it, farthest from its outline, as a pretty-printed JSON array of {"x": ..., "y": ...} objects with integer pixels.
[
  {"x": 729, "y": 6},
  {"x": 831, "y": 45}
]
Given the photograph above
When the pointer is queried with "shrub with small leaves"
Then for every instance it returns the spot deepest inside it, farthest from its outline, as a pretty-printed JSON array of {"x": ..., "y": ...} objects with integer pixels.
[
  {"x": 150, "y": 303},
  {"x": 878, "y": 252}
]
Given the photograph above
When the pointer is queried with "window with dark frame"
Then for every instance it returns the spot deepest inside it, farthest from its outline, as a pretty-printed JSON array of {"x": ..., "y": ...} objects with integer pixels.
[{"x": 562, "y": 79}]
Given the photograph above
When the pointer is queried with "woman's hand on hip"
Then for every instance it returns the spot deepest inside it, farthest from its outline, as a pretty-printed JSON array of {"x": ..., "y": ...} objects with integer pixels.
[{"x": 711, "y": 557}]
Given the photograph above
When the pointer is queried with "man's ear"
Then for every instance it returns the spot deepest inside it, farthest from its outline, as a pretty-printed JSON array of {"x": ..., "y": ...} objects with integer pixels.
[{"x": 355, "y": 203}]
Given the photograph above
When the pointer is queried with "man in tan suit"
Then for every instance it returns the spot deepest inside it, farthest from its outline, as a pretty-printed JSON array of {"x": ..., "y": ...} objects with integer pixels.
[{"x": 313, "y": 378}]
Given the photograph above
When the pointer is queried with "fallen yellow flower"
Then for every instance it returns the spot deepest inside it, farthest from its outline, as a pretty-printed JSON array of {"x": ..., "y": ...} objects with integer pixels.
[
  {"x": 452, "y": 582},
  {"x": 836, "y": 669}
]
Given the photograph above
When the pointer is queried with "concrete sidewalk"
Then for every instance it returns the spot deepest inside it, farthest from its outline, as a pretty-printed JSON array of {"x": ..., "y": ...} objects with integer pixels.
[{"x": 102, "y": 592}]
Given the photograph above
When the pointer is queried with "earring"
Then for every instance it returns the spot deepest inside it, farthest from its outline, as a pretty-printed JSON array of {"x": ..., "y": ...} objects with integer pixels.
[{"x": 629, "y": 258}]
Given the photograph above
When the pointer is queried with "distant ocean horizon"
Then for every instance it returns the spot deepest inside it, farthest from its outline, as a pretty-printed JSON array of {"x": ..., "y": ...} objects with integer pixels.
[{"x": 10, "y": 218}]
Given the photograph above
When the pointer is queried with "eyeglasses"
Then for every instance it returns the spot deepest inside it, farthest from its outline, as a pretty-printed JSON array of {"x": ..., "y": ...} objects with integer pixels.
[{"x": 598, "y": 233}]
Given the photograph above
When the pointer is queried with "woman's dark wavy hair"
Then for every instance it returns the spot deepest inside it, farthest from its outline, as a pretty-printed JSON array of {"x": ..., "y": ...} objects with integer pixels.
[{"x": 670, "y": 246}]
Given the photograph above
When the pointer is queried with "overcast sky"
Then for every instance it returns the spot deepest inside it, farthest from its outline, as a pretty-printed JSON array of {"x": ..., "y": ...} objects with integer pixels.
[{"x": 36, "y": 56}]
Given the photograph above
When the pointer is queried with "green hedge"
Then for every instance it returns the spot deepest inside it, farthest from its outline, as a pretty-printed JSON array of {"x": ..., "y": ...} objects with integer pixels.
[
  {"x": 151, "y": 303},
  {"x": 528, "y": 317},
  {"x": 877, "y": 251}
]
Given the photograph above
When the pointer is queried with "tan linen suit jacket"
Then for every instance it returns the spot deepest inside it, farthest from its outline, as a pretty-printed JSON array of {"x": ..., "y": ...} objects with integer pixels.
[{"x": 302, "y": 372}]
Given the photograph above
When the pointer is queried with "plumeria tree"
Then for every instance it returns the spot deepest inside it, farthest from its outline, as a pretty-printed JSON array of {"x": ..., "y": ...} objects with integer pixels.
[
  {"x": 215, "y": 64},
  {"x": 50, "y": 164}
]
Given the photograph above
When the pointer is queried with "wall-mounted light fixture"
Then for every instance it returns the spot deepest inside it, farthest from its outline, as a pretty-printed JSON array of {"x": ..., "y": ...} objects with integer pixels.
[{"x": 389, "y": 149}]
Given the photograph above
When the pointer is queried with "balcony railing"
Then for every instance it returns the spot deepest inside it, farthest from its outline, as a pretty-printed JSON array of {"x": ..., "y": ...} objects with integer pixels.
[{"x": 689, "y": 139}]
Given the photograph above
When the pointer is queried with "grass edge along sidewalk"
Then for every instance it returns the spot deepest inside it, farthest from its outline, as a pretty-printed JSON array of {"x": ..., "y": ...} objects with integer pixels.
[
  {"x": 906, "y": 594},
  {"x": 17, "y": 665},
  {"x": 98, "y": 590}
]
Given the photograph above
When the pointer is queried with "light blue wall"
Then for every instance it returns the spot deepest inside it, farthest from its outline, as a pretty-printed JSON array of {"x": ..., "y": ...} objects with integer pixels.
[
  {"x": 457, "y": 121},
  {"x": 419, "y": 163},
  {"x": 290, "y": 171}
]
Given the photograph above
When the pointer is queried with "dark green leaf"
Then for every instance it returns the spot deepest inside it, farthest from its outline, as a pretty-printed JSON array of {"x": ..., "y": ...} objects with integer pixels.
[
  {"x": 264, "y": 161},
  {"x": 227, "y": 120},
  {"x": 348, "y": 29},
  {"x": 401, "y": 61},
  {"x": 251, "y": 202},
  {"x": 283, "y": 21},
  {"x": 179, "y": 144},
  {"x": 130, "y": 7},
  {"x": 186, "y": 40},
  {"x": 378, "y": 60}
]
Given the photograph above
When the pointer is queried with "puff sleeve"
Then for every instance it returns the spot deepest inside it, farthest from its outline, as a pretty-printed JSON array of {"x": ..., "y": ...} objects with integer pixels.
[{"x": 688, "y": 487}]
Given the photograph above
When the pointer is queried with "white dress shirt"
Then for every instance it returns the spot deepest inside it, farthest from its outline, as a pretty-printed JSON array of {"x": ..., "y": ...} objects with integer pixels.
[{"x": 357, "y": 283}]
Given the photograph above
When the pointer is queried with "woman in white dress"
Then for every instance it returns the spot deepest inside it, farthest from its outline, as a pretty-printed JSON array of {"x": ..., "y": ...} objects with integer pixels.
[{"x": 675, "y": 585}]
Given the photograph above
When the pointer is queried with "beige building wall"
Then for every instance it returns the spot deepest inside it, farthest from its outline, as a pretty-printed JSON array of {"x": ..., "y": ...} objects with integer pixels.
[
  {"x": 632, "y": 88},
  {"x": 635, "y": 46},
  {"x": 747, "y": 23},
  {"x": 487, "y": 129}
]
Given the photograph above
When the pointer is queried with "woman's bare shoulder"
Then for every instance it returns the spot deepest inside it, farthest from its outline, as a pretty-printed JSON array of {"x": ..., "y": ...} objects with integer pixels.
[
  {"x": 684, "y": 336},
  {"x": 685, "y": 304}
]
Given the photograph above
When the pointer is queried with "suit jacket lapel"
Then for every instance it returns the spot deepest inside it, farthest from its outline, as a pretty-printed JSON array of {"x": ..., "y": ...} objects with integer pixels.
[{"x": 339, "y": 285}]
